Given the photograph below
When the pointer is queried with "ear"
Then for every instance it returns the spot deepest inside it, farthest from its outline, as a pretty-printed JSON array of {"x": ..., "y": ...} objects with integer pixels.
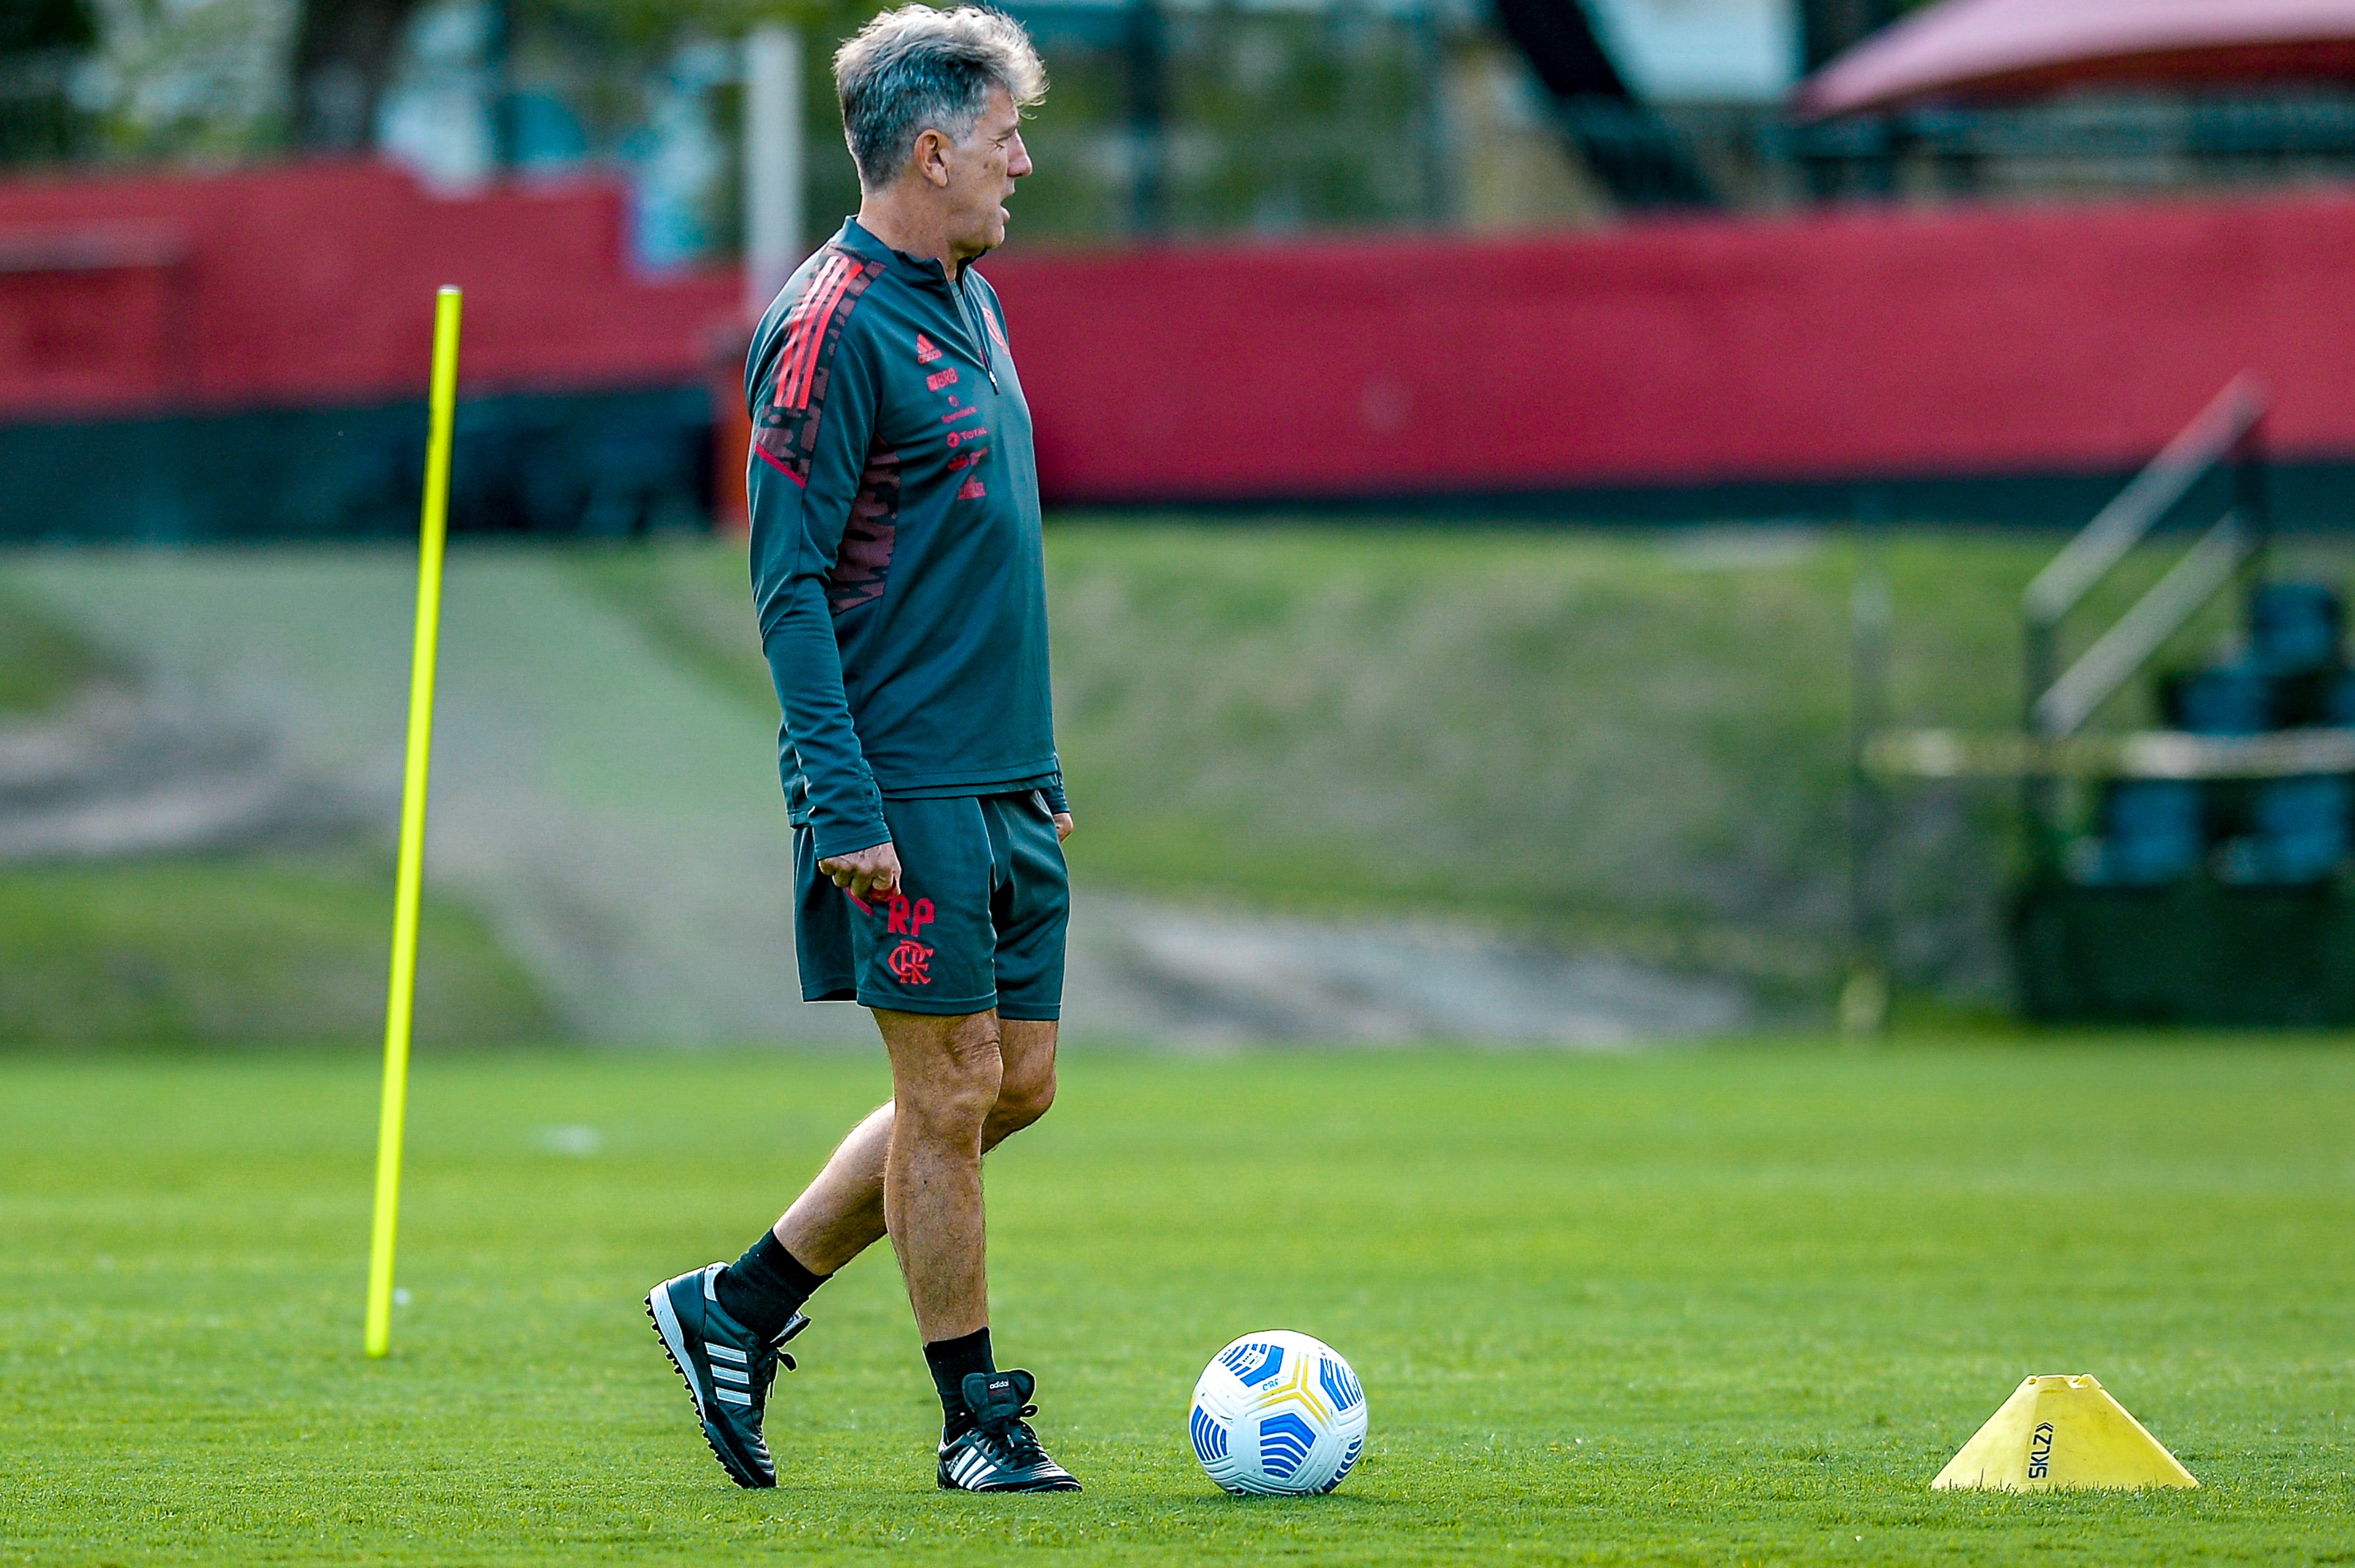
[{"x": 930, "y": 157}]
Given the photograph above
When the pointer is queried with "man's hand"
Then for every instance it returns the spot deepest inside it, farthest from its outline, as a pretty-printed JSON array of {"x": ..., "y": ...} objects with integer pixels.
[
  {"x": 864, "y": 870},
  {"x": 1062, "y": 826}
]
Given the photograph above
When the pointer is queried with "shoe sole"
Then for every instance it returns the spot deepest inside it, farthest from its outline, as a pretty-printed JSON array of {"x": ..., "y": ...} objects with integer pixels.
[
  {"x": 673, "y": 1335},
  {"x": 1066, "y": 1484},
  {"x": 1037, "y": 1487}
]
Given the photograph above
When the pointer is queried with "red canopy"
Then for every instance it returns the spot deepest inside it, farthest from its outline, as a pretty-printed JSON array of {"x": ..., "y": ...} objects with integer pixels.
[{"x": 1984, "y": 48}]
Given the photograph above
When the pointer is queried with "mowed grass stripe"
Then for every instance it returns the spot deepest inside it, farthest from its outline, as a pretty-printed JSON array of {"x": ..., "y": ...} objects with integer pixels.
[{"x": 1702, "y": 1307}]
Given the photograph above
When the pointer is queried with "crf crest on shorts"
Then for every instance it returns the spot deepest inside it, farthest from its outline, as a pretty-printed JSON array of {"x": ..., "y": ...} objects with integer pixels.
[{"x": 977, "y": 923}]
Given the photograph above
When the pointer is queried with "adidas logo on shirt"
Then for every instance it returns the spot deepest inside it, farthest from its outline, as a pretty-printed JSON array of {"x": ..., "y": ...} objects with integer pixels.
[{"x": 926, "y": 350}]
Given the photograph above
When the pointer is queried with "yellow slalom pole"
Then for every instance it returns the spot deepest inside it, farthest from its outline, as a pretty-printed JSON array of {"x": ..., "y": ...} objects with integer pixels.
[{"x": 400, "y": 1008}]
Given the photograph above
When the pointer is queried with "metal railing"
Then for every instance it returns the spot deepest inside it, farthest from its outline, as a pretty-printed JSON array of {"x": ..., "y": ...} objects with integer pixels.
[
  {"x": 2134, "y": 754},
  {"x": 2229, "y": 430},
  {"x": 2049, "y": 746}
]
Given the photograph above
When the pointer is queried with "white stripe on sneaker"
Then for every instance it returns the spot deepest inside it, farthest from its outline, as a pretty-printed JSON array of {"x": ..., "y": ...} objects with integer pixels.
[
  {"x": 725, "y": 1352},
  {"x": 674, "y": 1340},
  {"x": 731, "y": 1395},
  {"x": 733, "y": 1374}
]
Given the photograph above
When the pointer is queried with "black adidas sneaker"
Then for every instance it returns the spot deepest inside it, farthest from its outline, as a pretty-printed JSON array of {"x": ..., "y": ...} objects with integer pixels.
[
  {"x": 999, "y": 1453},
  {"x": 728, "y": 1370}
]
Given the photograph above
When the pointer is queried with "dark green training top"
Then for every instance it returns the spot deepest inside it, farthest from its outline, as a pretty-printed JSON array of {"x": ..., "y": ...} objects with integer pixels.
[{"x": 895, "y": 560}]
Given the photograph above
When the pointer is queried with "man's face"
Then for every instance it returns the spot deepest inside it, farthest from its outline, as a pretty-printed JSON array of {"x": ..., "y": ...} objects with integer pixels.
[{"x": 982, "y": 170}]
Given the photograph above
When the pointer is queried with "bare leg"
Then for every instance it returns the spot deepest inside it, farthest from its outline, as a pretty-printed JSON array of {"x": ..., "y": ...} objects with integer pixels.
[
  {"x": 946, "y": 1074},
  {"x": 840, "y": 1214}
]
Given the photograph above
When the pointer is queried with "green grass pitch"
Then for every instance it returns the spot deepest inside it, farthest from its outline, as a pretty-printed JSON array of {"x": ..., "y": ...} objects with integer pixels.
[{"x": 1713, "y": 1307}]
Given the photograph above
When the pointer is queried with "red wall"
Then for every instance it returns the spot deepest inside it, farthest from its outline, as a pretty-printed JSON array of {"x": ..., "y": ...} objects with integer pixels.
[
  {"x": 1972, "y": 343},
  {"x": 1969, "y": 342},
  {"x": 315, "y": 284}
]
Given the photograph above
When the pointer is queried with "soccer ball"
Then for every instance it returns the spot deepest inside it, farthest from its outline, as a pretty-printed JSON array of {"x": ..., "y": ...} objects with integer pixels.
[{"x": 1278, "y": 1413}]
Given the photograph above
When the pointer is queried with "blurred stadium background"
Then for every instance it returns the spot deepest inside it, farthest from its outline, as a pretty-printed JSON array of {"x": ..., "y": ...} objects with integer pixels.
[
  {"x": 1572, "y": 523},
  {"x": 1608, "y": 439}
]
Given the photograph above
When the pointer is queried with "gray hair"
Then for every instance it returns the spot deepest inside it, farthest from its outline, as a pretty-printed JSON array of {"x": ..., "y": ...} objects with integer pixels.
[{"x": 916, "y": 69}]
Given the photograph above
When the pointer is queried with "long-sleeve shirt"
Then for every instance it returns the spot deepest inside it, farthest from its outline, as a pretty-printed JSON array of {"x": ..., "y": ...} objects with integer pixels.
[{"x": 897, "y": 566}]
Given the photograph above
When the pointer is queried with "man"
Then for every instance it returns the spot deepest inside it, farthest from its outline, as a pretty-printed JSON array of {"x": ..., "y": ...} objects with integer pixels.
[{"x": 896, "y": 571}]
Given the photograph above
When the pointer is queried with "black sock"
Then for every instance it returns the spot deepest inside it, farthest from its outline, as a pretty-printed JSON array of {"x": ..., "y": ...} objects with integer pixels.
[
  {"x": 766, "y": 1287},
  {"x": 950, "y": 1360}
]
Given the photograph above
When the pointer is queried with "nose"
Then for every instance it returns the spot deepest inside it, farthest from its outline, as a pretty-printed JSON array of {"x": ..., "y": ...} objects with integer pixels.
[{"x": 1017, "y": 161}]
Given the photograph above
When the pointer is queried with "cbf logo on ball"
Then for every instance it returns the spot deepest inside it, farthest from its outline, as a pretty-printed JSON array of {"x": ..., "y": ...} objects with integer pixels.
[{"x": 1278, "y": 1413}]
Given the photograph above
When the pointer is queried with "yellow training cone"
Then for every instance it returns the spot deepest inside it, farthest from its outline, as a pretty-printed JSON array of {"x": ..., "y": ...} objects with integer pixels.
[{"x": 2062, "y": 1432}]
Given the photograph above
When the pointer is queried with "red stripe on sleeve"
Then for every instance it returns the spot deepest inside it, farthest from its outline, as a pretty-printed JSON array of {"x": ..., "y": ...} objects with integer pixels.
[
  {"x": 798, "y": 330},
  {"x": 809, "y": 370},
  {"x": 784, "y": 358},
  {"x": 797, "y": 347},
  {"x": 763, "y": 453}
]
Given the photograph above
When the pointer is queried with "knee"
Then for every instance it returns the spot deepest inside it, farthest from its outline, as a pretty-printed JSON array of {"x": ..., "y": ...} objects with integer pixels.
[
  {"x": 1023, "y": 1097},
  {"x": 956, "y": 1097}
]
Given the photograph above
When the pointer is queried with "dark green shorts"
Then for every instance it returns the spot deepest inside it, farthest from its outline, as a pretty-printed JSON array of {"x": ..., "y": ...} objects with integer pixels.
[{"x": 978, "y": 924}]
